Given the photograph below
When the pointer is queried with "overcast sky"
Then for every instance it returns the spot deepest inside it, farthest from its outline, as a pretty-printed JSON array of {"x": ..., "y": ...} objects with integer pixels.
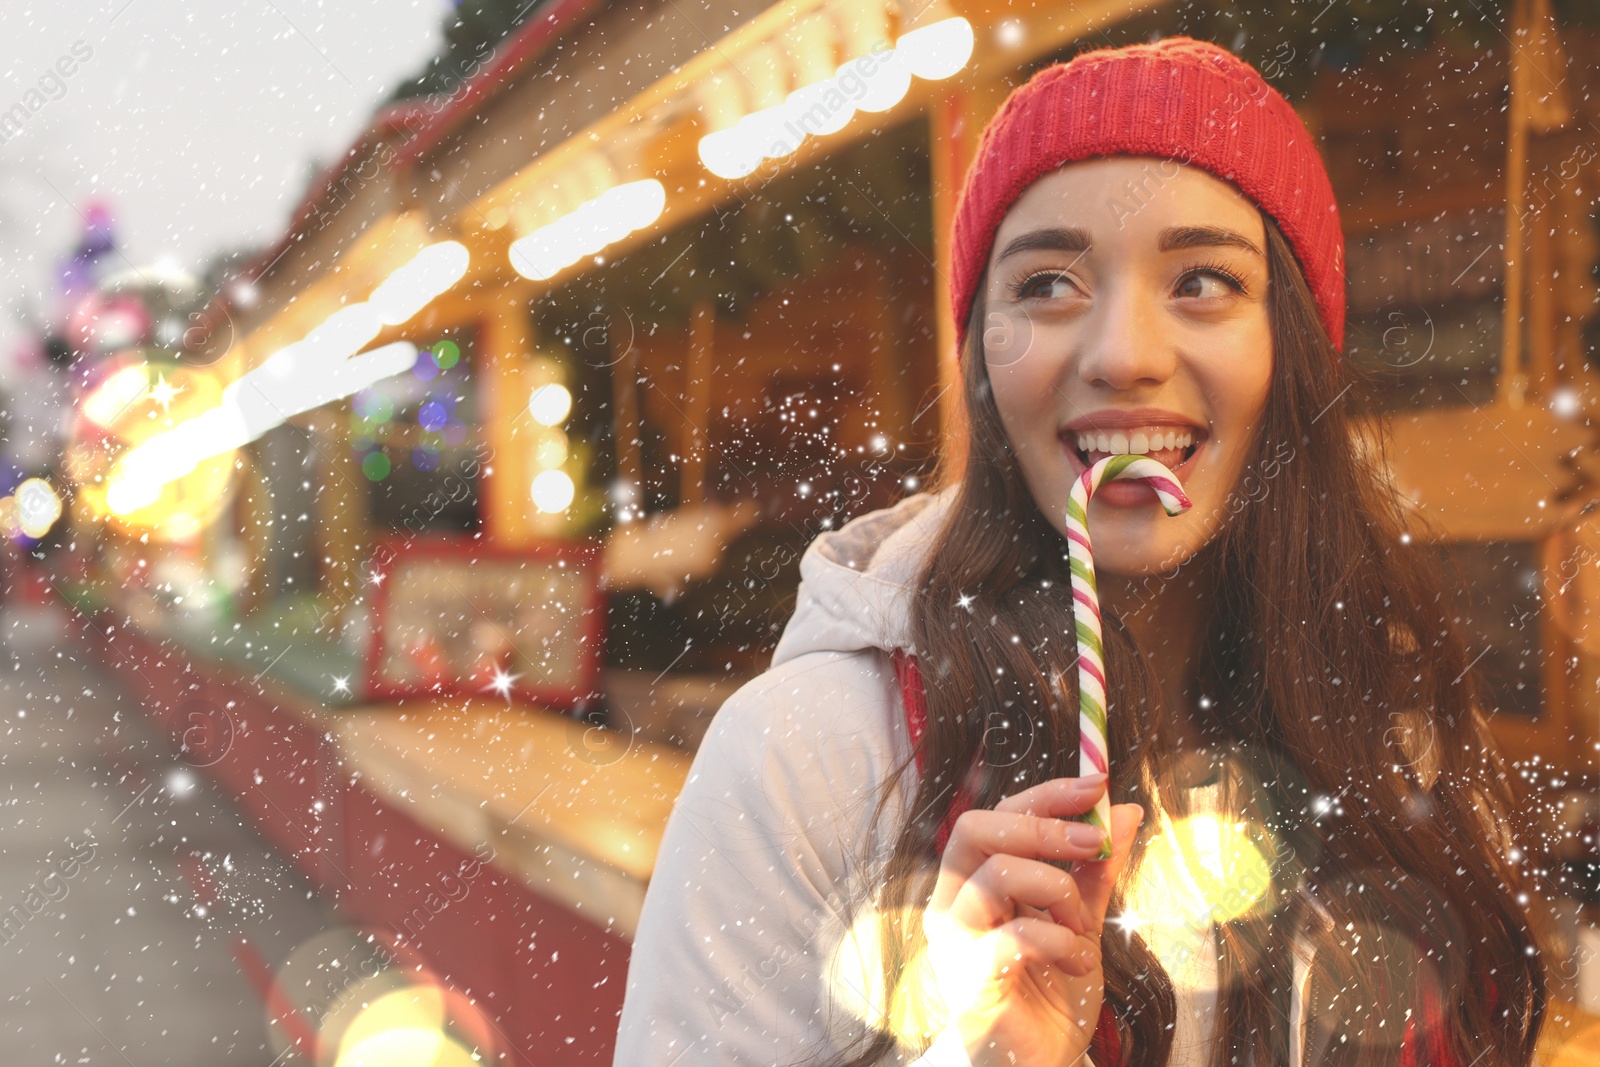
[{"x": 196, "y": 122}]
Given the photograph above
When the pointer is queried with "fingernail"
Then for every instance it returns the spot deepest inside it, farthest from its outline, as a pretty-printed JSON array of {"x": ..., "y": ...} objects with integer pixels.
[
  {"x": 1081, "y": 833},
  {"x": 1089, "y": 781}
]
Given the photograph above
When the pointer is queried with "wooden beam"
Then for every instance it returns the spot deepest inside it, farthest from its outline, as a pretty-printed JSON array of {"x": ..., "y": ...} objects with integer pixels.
[
  {"x": 625, "y": 416},
  {"x": 504, "y": 344},
  {"x": 1543, "y": 337},
  {"x": 342, "y": 522},
  {"x": 957, "y": 120},
  {"x": 1512, "y": 384},
  {"x": 697, "y": 403}
]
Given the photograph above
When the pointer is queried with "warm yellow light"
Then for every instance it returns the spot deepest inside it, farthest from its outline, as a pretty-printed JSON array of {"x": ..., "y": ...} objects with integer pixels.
[
  {"x": 551, "y": 451},
  {"x": 404, "y": 1028},
  {"x": 919, "y": 1009},
  {"x": 766, "y": 73},
  {"x": 1227, "y": 867},
  {"x": 552, "y": 491},
  {"x": 809, "y": 43},
  {"x": 1201, "y": 870},
  {"x": 549, "y": 404},
  {"x": 412, "y": 286},
  {"x": 874, "y": 78},
  {"x": 138, "y": 497},
  {"x": 112, "y": 398},
  {"x": 863, "y": 29},
  {"x": 543, "y": 253},
  {"x": 937, "y": 50},
  {"x": 127, "y": 493}
]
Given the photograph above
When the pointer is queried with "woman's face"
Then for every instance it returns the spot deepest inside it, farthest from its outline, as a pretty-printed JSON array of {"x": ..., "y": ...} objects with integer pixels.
[{"x": 1125, "y": 310}]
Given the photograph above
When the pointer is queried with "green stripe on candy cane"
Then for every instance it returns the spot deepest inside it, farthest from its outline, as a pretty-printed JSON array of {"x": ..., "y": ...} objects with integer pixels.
[{"x": 1093, "y": 749}]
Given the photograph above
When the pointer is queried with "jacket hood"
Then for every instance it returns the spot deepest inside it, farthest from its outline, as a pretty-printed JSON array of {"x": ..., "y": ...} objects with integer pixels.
[{"x": 855, "y": 582}]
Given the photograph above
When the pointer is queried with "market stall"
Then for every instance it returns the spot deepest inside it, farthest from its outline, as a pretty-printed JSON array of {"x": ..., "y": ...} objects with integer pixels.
[{"x": 612, "y": 439}]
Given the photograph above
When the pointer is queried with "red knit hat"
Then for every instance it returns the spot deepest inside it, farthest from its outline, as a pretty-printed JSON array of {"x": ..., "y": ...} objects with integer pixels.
[{"x": 1179, "y": 99}]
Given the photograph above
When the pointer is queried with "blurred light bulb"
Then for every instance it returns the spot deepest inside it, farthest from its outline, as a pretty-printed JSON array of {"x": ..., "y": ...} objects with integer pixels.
[
  {"x": 417, "y": 282},
  {"x": 1565, "y": 403},
  {"x": 552, "y": 491},
  {"x": 114, "y": 396},
  {"x": 591, "y": 226},
  {"x": 937, "y": 50},
  {"x": 551, "y": 450},
  {"x": 1010, "y": 34},
  {"x": 549, "y": 404},
  {"x": 38, "y": 507}
]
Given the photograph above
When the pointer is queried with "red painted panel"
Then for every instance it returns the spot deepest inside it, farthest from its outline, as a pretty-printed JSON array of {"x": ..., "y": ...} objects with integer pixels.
[
  {"x": 550, "y": 983},
  {"x": 570, "y": 976}
]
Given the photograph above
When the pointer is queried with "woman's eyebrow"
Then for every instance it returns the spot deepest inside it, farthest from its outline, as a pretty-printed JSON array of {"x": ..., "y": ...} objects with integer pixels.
[
  {"x": 1073, "y": 239},
  {"x": 1175, "y": 237},
  {"x": 1052, "y": 239}
]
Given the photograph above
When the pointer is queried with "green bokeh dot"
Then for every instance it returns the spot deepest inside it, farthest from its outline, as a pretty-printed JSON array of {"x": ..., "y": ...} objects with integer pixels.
[
  {"x": 375, "y": 466},
  {"x": 445, "y": 354}
]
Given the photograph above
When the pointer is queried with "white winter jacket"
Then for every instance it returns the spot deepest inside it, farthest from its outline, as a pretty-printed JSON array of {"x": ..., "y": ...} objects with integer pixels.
[{"x": 737, "y": 955}]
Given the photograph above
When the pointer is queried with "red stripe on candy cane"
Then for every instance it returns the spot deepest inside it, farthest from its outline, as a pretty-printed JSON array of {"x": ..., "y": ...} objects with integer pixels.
[{"x": 1092, "y": 757}]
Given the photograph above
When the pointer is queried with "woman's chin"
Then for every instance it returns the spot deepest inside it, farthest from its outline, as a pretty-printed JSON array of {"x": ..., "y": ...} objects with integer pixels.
[{"x": 1137, "y": 554}]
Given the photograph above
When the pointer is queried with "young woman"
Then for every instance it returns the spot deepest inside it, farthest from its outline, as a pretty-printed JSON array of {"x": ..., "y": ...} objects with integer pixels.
[{"x": 877, "y": 855}]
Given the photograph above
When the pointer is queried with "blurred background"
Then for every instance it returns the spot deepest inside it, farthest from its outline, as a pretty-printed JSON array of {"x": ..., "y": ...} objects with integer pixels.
[{"x": 413, "y": 417}]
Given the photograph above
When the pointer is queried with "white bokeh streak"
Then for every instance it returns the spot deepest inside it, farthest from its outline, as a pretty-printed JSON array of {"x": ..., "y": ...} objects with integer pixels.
[{"x": 319, "y": 369}]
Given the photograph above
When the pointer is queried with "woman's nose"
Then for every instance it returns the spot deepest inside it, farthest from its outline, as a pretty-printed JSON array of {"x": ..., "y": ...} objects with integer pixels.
[{"x": 1124, "y": 346}]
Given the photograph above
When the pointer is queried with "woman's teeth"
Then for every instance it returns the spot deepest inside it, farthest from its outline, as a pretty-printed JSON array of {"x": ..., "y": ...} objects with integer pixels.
[
  {"x": 1138, "y": 442},
  {"x": 1168, "y": 447}
]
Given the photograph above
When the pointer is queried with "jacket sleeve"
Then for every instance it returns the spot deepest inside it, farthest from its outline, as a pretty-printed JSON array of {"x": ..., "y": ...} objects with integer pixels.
[{"x": 757, "y": 869}]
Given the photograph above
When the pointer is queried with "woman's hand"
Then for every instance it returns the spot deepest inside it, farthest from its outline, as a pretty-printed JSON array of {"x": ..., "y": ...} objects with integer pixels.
[{"x": 1013, "y": 942}]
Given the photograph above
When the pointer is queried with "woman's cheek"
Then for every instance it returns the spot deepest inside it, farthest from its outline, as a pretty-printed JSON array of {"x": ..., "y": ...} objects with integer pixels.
[
  {"x": 1008, "y": 336},
  {"x": 1024, "y": 377},
  {"x": 1014, "y": 394}
]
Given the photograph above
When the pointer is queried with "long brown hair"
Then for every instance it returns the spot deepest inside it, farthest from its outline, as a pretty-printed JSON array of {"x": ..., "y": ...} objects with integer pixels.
[{"x": 1338, "y": 697}]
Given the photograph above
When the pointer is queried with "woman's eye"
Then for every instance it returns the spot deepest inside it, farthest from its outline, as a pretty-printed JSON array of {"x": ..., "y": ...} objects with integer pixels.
[
  {"x": 1044, "y": 286},
  {"x": 1207, "y": 283}
]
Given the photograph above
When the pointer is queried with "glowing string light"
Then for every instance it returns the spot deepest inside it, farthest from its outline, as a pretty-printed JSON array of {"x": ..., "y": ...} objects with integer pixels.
[{"x": 321, "y": 368}]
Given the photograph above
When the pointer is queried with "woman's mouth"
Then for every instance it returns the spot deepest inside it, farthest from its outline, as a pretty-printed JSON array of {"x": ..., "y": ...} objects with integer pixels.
[{"x": 1174, "y": 447}]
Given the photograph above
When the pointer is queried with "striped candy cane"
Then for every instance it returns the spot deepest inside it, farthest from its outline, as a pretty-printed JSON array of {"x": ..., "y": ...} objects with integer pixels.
[{"x": 1092, "y": 747}]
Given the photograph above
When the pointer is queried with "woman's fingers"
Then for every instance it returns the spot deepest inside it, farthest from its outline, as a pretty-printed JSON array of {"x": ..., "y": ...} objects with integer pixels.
[
  {"x": 1034, "y": 824},
  {"x": 1003, "y": 884},
  {"x": 966, "y": 968},
  {"x": 1096, "y": 879},
  {"x": 1040, "y": 942},
  {"x": 979, "y": 834},
  {"x": 1059, "y": 797}
]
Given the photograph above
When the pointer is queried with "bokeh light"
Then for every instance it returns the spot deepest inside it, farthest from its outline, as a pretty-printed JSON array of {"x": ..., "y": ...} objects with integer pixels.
[
  {"x": 349, "y": 997},
  {"x": 38, "y": 507},
  {"x": 405, "y": 1028},
  {"x": 551, "y": 451},
  {"x": 375, "y": 465},
  {"x": 552, "y": 491},
  {"x": 432, "y": 415},
  {"x": 918, "y": 1010},
  {"x": 549, "y": 404},
  {"x": 173, "y": 511},
  {"x": 113, "y": 397},
  {"x": 1225, "y": 864}
]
